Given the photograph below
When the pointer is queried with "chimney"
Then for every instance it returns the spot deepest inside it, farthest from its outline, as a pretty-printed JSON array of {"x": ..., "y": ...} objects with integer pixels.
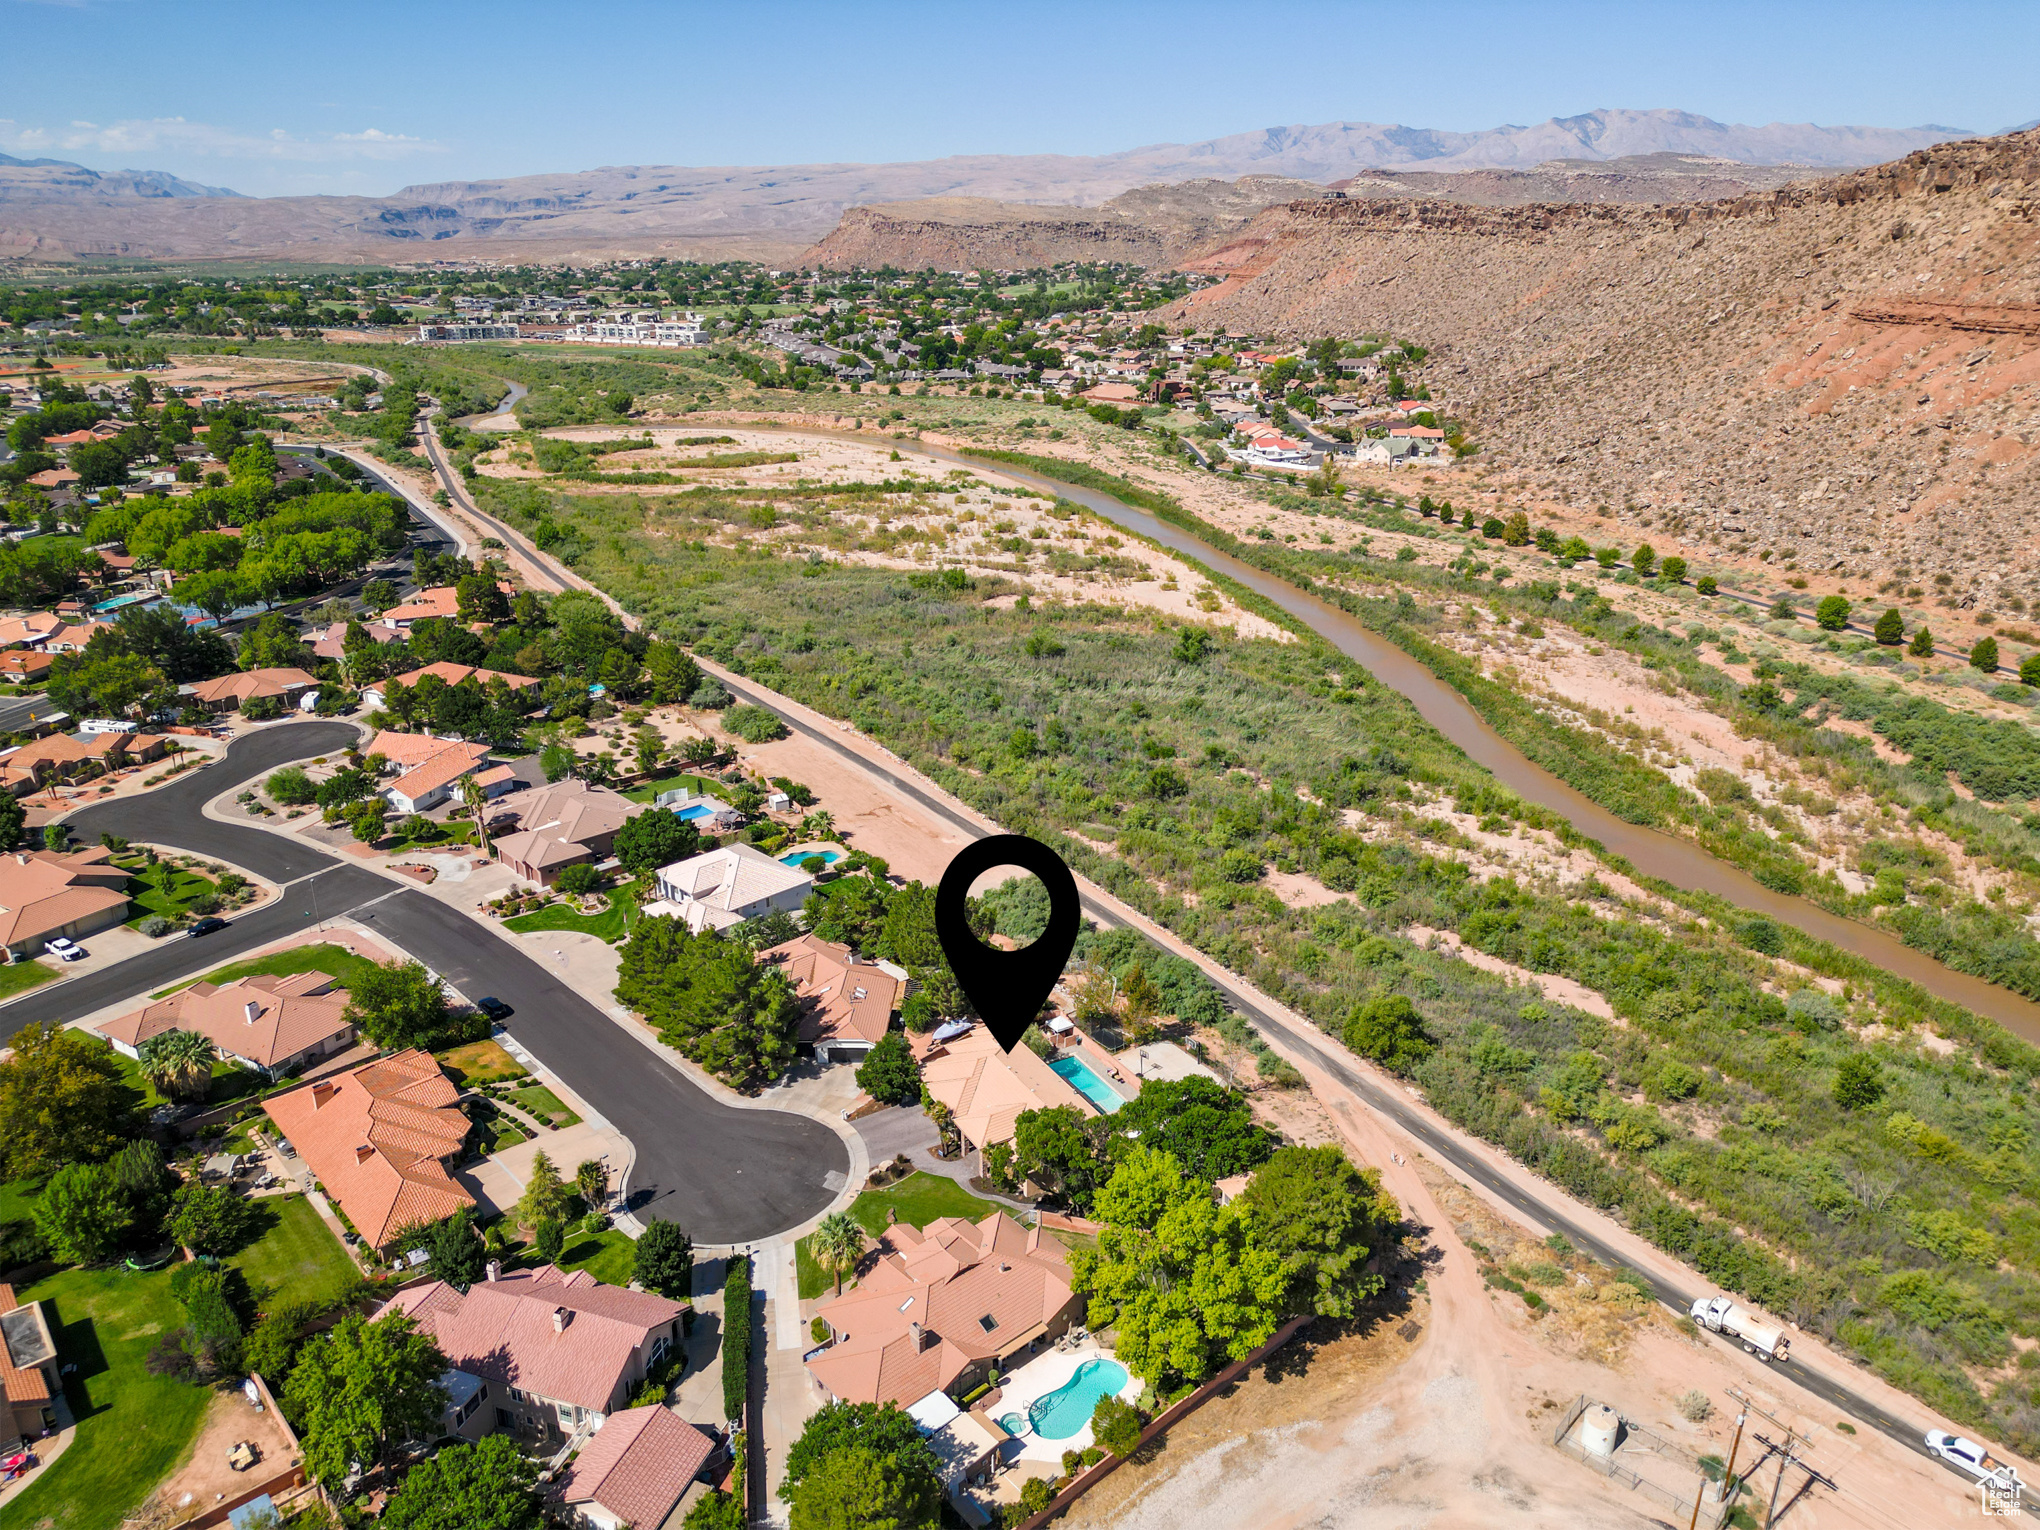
[
  {"x": 561, "y": 1317},
  {"x": 492, "y": 1271},
  {"x": 251, "y": 1011},
  {"x": 363, "y": 1152},
  {"x": 914, "y": 1333},
  {"x": 323, "y": 1091}
]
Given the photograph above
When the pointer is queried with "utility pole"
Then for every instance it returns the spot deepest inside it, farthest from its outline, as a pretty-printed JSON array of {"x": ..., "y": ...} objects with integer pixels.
[
  {"x": 1786, "y": 1458},
  {"x": 1727, "y": 1475}
]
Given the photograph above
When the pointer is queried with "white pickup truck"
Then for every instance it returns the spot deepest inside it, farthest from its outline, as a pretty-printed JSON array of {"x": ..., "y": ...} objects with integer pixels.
[
  {"x": 1968, "y": 1456},
  {"x": 1766, "y": 1341}
]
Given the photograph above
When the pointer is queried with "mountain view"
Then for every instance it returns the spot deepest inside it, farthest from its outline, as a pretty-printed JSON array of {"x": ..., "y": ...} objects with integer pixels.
[{"x": 884, "y": 818}]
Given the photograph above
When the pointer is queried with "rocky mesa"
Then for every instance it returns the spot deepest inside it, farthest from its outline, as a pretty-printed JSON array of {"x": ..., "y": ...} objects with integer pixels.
[{"x": 1839, "y": 371}]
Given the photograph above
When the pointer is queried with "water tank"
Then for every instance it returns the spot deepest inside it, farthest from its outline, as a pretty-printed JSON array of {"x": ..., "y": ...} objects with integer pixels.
[{"x": 1600, "y": 1427}]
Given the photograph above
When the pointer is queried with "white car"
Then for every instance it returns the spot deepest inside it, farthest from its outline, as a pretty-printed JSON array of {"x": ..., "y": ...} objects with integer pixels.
[
  {"x": 69, "y": 950},
  {"x": 1968, "y": 1456}
]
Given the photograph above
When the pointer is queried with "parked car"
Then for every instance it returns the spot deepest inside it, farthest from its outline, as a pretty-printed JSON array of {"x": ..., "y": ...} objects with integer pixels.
[
  {"x": 206, "y": 926},
  {"x": 69, "y": 950},
  {"x": 494, "y": 1008}
]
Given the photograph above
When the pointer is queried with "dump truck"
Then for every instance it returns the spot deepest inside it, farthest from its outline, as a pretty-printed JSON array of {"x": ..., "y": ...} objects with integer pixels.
[{"x": 1766, "y": 1341}]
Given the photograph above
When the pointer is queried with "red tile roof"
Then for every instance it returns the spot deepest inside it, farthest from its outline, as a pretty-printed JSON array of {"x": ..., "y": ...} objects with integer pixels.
[
  {"x": 841, "y": 997},
  {"x": 565, "y": 1336},
  {"x": 42, "y": 891},
  {"x": 638, "y": 1465},
  {"x": 290, "y": 1014},
  {"x": 375, "y": 1136}
]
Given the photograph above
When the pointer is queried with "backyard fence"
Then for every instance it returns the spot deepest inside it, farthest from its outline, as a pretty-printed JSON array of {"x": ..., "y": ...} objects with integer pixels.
[{"x": 1162, "y": 1421}]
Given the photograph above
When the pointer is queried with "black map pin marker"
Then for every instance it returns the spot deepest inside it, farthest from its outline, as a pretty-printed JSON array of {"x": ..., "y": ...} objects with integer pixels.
[{"x": 1007, "y": 988}]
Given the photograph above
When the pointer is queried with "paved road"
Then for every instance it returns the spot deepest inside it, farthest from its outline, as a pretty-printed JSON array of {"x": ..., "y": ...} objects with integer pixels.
[
  {"x": 1550, "y": 1211},
  {"x": 727, "y": 1175}
]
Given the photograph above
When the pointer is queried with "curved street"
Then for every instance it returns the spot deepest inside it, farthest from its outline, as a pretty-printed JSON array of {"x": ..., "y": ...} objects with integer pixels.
[{"x": 725, "y": 1174}]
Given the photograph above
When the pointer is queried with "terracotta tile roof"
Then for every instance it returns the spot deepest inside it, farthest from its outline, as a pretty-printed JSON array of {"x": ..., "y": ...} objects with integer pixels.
[
  {"x": 264, "y": 1019},
  {"x": 250, "y": 683},
  {"x": 842, "y": 999},
  {"x": 440, "y": 600},
  {"x": 565, "y": 1336},
  {"x": 376, "y": 1137},
  {"x": 25, "y": 662},
  {"x": 454, "y": 674},
  {"x": 430, "y": 763},
  {"x": 638, "y": 1465},
  {"x": 42, "y": 891},
  {"x": 986, "y": 1087},
  {"x": 939, "y": 1300},
  {"x": 32, "y": 628}
]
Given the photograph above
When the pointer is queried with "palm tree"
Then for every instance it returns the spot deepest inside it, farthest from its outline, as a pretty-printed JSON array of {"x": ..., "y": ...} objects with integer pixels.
[
  {"x": 818, "y": 825},
  {"x": 178, "y": 1063},
  {"x": 476, "y": 801},
  {"x": 837, "y": 1243}
]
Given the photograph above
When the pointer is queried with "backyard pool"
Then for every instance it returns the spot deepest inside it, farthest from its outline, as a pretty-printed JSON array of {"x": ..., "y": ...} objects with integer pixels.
[
  {"x": 1067, "y": 1410},
  {"x": 800, "y": 858},
  {"x": 696, "y": 812},
  {"x": 1080, "y": 1077}
]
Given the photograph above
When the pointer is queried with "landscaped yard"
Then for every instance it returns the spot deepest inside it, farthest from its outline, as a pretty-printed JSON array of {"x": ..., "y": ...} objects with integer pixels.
[
  {"x": 19, "y": 977},
  {"x": 650, "y": 790},
  {"x": 337, "y": 962},
  {"x": 132, "y": 1427},
  {"x": 167, "y": 890},
  {"x": 921, "y": 1199},
  {"x": 607, "y": 1255},
  {"x": 479, "y": 1062},
  {"x": 297, "y": 1258},
  {"x": 230, "y": 1081},
  {"x": 498, "y": 1129},
  {"x": 537, "y": 1100},
  {"x": 607, "y": 925}
]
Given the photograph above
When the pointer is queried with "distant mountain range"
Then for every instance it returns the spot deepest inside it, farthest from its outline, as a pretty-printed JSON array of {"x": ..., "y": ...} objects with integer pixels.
[{"x": 52, "y": 209}]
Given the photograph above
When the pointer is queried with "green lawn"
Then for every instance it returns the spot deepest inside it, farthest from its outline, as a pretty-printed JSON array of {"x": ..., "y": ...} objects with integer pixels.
[
  {"x": 16, "y": 1204},
  {"x": 479, "y": 1062},
  {"x": 297, "y": 1258},
  {"x": 167, "y": 890},
  {"x": 498, "y": 1130},
  {"x": 650, "y": 790},
  {"x": 132, "y": 1427},
  {"x": 606, "y": 1255},
  {"x": 606, "y": 926},
  {"x": 230, "y": 1081},
  {"x": 921, "y": 1199},
  {"x": 540, "y": 1101},
  {"x": 336, "y": 962},
  {"x": 19, "y": 977}
]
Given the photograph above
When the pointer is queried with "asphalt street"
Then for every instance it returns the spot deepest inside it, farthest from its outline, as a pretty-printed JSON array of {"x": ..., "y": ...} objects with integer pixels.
[
  {"x": 691, "y": 1147},
  {"x": 1549, "y": 1212}
]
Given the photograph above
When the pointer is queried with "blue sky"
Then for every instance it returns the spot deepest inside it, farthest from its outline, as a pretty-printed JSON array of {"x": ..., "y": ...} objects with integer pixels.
[{"x": 370, "y": 96}]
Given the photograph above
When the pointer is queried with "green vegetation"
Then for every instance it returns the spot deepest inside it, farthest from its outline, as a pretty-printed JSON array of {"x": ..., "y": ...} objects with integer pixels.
[
  {"x": 133, "y": 1427},
  {"x": 537, "y": 1100},
  {"x": 479, "y": 1062},
  {"x": 336, "y": 962},
  {"x": 918, "y": 1199},
  {"x": 650, "y": 790},
  {"x": 297, "y": 1258},
  {"x": 19, "y": 977},
  {"x": 1267, "y": 746},
  {"x": 607, "y": 926},
  {"x": 607, "y": 1255}
]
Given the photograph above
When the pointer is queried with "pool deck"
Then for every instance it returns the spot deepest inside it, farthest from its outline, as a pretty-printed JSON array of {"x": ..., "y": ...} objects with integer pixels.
[{"x": 1036, "y": 1379}]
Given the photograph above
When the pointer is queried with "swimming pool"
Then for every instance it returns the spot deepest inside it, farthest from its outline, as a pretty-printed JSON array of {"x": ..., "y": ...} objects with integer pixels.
[
  {"x": 800, "y": 858},
  {"x": 1082, "y": 1078},
  {"x": 1067, "y": 1410},
  {"x": 697, "y": 812}
]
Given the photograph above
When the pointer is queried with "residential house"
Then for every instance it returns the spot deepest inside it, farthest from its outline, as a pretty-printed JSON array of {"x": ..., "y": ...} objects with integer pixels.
[
  {"x": 846, "y": 1005},
  {"x": 330, "y": 642},
  {"x": 725, "y": 887},
  {"x": 227, "y": 693},
  {"x": 29, "y": 631},
  {"x": 382, "y": 1139},
  {"x": 47, "y": 893},
  {"x": 942, "y": 1308},
  {"x": 555, "y": 1352},
  {"x": 636, "y": 1470},
  {"x": 73, "y": 636},
  {"x": 452, "y": 674},
  {"x": 69, "y": 756},
  {"x": 20, "y": 666},
  {"x": 274, "y": 1025},
  {"x": 566, "y": 824},
  {"x": 28, "y": 1369},
  {"x": 430, "y": 769},
  {"x": 440, "y": 601},
  {"x": 986, "y": 1087}
]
